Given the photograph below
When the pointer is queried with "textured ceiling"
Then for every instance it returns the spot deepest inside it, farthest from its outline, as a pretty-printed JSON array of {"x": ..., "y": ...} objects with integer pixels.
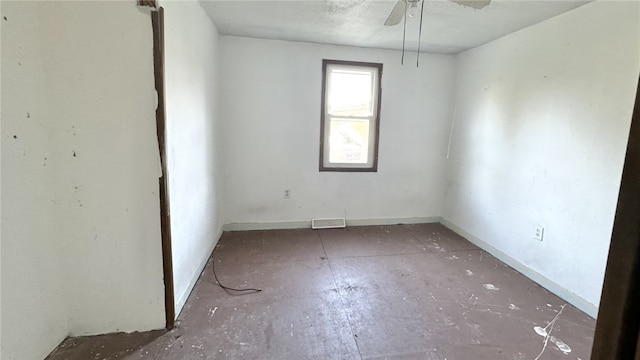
[{"x": 447, "y": 27}]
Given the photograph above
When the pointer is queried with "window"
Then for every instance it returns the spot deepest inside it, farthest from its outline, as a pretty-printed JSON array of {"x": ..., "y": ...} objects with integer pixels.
[{"x": 350, "y": 117}]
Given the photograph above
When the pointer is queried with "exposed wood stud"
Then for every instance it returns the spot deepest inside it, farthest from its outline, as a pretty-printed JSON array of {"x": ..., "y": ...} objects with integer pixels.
[{"x": 157, "y": 20}]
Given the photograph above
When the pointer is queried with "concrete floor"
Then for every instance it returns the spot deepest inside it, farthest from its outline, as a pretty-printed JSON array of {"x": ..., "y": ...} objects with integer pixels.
[{"x": 379, "y": 292}]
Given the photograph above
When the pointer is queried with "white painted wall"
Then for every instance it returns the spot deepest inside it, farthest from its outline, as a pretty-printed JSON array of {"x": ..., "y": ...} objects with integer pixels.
[
  {"x": 193, "y": 141},
  {"x": 81, "y": 237},
  {"x": 33, "y": 302},
  {"x": 104, "y": 109},
  {"x": 539, "y": 138},
  {"x": 270, "y": 109}
]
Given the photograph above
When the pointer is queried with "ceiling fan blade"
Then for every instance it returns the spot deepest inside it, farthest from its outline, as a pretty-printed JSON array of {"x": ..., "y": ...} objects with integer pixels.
[
  {"x": 476, "y": 4},
  {"x": 397, "y": 13}
]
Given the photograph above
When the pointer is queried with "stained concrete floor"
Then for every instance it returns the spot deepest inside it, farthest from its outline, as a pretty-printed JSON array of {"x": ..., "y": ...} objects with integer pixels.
[{"x": 378, "y": 292}]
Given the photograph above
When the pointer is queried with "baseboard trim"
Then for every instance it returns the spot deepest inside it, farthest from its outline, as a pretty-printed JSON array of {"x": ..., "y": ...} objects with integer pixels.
[
  {"x": 203, "y": 262},
  {"x": 393, "y": 221},
  {"x": 555, "y": 288},
  {"x": 306, "y": 224},
  {"x": 276, "y": 225}
]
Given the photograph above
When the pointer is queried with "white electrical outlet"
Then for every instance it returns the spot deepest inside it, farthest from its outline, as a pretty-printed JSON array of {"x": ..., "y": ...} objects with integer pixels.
[
  {"x": 287, "y": 194},
  {"x": 539, "y": 233}
]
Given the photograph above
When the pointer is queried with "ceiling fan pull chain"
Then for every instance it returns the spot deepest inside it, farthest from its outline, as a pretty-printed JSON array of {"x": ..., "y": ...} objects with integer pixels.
[
  {"x": 420, "y": 34},
  {"x": 404, "y": 32}
]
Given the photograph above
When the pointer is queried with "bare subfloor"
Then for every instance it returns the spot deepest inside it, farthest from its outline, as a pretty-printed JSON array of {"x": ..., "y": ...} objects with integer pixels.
[{"x": 379, "y": 292}]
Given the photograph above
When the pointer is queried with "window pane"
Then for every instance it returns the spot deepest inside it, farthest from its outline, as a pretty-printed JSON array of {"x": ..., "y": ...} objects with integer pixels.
[
  {"x": 348, "y": 141},
  {"x": 350, "y": 93},
  {"x": 350, "y": 116}
]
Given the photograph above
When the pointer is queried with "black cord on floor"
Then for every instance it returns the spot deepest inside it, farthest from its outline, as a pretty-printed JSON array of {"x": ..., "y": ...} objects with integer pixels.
[{"x": 226, "y": 288}]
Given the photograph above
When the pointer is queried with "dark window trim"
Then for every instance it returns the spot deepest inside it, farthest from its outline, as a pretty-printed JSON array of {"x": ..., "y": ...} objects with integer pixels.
[
  {"x": 374, "y": 167},
  {"x": 150, "y": 3}
]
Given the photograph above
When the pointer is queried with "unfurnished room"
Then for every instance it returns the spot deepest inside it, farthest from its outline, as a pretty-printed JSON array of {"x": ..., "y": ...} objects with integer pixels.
[{"x": 323, "y": 179}]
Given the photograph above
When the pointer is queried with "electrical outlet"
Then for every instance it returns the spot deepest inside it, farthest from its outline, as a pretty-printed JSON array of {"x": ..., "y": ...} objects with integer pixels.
[
  {"x": 539, "y": 233},
  {"x": 287, "y": 194}
]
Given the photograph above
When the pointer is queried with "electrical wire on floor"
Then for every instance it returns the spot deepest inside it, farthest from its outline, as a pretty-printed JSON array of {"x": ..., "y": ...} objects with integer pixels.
[{"x": 230, "y": 289}]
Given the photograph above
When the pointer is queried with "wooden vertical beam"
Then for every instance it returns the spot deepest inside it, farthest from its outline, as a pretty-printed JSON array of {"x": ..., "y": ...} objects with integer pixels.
[
  {"x": 618, "y": 325},
  {"x": 157, "y": 21}
]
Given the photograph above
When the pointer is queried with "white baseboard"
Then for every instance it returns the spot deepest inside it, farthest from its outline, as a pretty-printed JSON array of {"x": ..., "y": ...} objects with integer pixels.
[
  {"x": 555, "y": 288},
  {"x": 203, "y": 262},
  {"x": 306, "y": 224},
  {"x": 392, "y": 221},
  {"x": 276, "y": 225}
]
